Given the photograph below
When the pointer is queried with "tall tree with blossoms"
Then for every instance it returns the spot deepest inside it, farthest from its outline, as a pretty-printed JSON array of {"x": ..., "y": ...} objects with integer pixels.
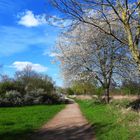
[
  {"x": 86, "y": 53},
  {"x": 100, "y": 14}
]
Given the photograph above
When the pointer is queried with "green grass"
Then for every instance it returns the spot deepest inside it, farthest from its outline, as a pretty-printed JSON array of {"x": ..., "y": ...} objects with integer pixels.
[
  {"x": 111, "y": 122},
  {"x": 17, "y": 122}
]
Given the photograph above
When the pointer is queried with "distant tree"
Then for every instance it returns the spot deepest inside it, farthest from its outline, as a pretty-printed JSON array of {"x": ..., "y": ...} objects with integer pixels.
[
  {"x": 59, "y": 90},
  {"x": 131, "y": 87},
  {"x": 69, "y": 91},
  {"x": 33, "y": 80},
  {"x": 5, "y": 78},
  {"x": 85, "y": 88}
]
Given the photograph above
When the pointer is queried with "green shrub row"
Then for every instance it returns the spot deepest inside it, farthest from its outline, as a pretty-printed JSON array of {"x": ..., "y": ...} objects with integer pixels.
[
  {"x": 15, "y": 98},
  {"x": 28, "y": 88}
]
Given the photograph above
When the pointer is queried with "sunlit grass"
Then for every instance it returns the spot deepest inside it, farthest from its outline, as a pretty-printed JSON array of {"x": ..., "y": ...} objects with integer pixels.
[
  {"x": 111, "y": 122},
  {"x": 17, "y": 122}
]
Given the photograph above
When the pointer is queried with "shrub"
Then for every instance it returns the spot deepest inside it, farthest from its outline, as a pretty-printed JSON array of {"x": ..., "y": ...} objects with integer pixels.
[
  {"x": 135, "y": 105},
  {"x": 19, "y": 86},
  {"x": 11, "y": 98},
  {"x": 130, "y": 87},
  {"x": 11, "y": 86},
  {"x": 34, "y": 97},
  {"x": 28, "y": 88},
  {"x": 40, "y": 96},
  {"x": 14, "y": 98},
  {"x": 69, "y": 91},
  {"x": 6, "y": 86},
  {"x": 99, "y": 91}
]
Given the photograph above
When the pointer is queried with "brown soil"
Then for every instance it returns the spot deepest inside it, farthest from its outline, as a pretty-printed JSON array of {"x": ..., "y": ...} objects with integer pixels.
[
  {"x": 69, "y": 124},
  {"x": 129, "y": 97},
  {"x": 115, "y": 97}
]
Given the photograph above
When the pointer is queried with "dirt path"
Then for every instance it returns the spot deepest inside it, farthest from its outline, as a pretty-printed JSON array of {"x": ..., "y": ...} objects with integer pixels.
[{"x": 69, "y": 124}]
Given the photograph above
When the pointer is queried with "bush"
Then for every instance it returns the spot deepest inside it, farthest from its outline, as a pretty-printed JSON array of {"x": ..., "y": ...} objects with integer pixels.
[
  {"x": 11, "y": 86},
  {"x": 131, "y": 88},
  {"x": 52, "y": 98},
  {"x": 6, "y": 86},
  {"x": 99, "y": 92},
  {"x": 11, "y": 98},
  {"x": 40, "y": 96},
  {"x": 135, "y": 105},
  {"x": 14, "y": 98},
  {"x": 69, "y": 91},
  {"x": 28, "y": 88},
  {"x": 34, "y": 97}
]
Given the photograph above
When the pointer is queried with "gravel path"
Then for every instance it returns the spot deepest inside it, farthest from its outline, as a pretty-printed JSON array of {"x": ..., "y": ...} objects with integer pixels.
[{"x": 69, "y": 124}]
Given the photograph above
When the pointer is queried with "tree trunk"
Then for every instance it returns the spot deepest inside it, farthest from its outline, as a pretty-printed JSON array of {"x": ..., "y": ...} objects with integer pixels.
[
  {"x": 85, "y": 92},
  {"x": 133, "y": 47},
  {"x": 107, "y": 98},
  {"x": 139, "y": 67}
]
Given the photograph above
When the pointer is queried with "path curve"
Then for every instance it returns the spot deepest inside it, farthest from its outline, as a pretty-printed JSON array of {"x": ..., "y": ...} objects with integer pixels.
[{"x": 68, "y": 124}]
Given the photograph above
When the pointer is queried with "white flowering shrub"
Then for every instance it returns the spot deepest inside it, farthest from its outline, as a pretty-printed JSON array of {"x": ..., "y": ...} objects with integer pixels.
[
  {"x": 11, "y": 98},
  {"x": 38, "y": 96},
  {"x": 34, "y": 97}
]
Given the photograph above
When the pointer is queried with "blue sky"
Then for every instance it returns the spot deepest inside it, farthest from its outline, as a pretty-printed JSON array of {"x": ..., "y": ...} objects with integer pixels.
[{"x": 26, "y": 38}]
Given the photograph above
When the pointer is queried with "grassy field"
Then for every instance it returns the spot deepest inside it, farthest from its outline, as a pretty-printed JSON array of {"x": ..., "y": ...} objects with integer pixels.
[
  {"x": 17, "y": 122},
  {"x": 112, "y": 122}
]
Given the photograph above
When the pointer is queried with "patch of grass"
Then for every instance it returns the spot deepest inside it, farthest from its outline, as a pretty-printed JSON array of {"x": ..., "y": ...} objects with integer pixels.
[
  {"x": 111, "y": 122},
  {"x": 18, "y": 122},
  {"x": 121, "y": 103}
]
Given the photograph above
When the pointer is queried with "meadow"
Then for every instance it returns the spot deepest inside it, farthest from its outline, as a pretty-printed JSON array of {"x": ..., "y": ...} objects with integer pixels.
[
  {"x": 112, "y": 121},
  {"x": 20, "y": 122}
]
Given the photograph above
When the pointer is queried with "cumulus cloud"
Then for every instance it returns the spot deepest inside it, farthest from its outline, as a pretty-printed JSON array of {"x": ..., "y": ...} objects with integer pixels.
[
  {"x": 29, "y": 19},
  {"x": 20, "y": 65}
]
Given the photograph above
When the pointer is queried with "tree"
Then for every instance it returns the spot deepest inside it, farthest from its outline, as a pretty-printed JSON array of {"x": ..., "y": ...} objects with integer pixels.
[
  {"x": 107, "y": 13},
  {"x": 86, "y": 55},
  {"x": 33, "y": 80},
  {"x": 131, "y": 87},
  {"x": 5, "y": 78},
  {"x": 81, "y": 87}
]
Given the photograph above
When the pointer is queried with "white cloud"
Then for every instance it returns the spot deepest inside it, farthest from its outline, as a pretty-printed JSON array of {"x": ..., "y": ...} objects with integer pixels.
[
  {"x": 59, "y": 22},
  {"x": 18, "y": 65},
  {"x": 28, "y": 19},
  {"x": 53, "y": 54}
]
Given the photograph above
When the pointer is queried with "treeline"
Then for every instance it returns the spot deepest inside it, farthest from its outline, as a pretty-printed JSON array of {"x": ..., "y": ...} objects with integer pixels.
[
  {"x": 27, "y": 88},
  {"x": 86, "y": 88}
]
